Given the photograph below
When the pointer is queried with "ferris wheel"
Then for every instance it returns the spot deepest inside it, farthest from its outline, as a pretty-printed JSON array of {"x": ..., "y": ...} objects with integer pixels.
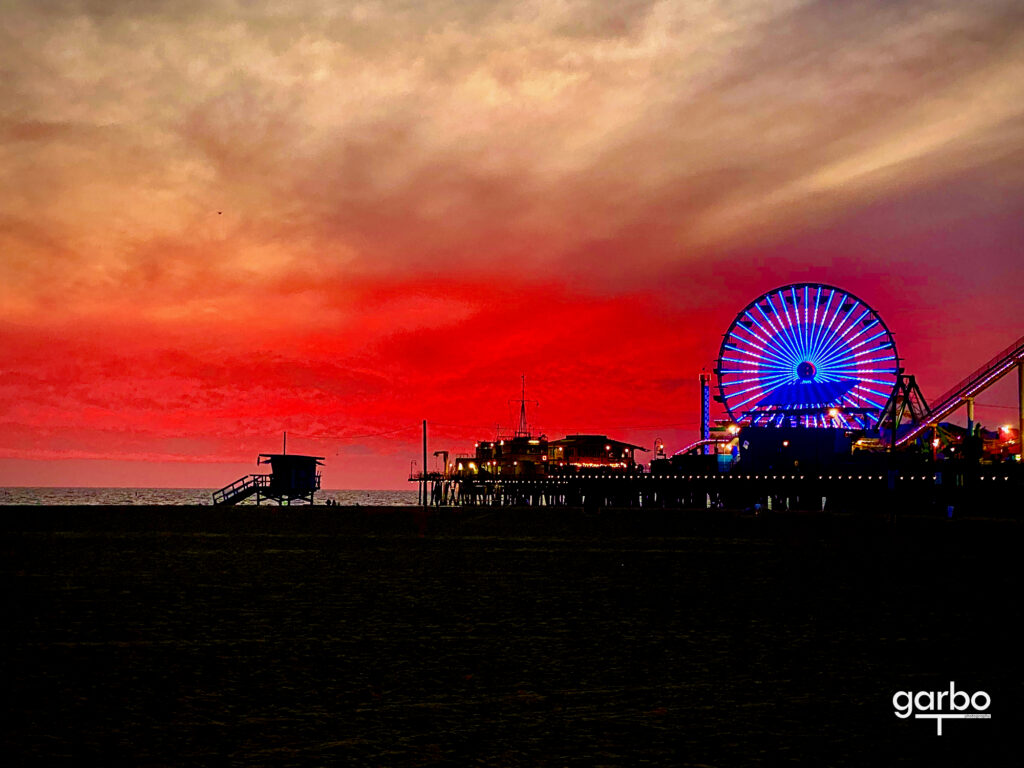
[{"x": 808, "y": 355}]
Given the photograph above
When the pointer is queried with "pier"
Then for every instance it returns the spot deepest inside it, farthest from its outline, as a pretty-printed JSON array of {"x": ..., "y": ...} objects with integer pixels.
[
  {"x": 942, "y": 489},
  {"x": 820, "y": 414}
]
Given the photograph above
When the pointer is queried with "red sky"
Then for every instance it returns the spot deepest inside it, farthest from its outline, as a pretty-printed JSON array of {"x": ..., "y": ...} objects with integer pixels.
[{"x": 220, "y": 221}]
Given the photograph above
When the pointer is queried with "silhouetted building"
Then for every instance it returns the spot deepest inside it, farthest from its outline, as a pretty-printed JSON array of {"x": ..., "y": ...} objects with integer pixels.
[
  {"x": 592, "y": 452},
  {"x": 292, "y": 478}
]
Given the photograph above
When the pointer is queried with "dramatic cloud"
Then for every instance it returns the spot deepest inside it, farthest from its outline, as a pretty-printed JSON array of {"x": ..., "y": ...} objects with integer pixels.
[{"x": 219, "y": 220}]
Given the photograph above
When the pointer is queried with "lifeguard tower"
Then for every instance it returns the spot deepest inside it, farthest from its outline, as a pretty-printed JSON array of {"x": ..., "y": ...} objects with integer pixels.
[{"x": 292, "y": 478}]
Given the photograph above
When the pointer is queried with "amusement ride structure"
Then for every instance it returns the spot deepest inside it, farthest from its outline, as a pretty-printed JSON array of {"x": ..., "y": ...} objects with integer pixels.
[
  {"x": 964, "y": 392},
  {"x": 813, "y": 355},
  {"x": 808, "y": 355}
]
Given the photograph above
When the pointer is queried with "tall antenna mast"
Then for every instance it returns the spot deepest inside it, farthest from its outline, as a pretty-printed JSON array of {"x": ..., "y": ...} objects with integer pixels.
[{"x": 524, "y": 429}]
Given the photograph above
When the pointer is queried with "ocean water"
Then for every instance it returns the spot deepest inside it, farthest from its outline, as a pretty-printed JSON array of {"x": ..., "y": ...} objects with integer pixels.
[{"x": 179, "y": 496}]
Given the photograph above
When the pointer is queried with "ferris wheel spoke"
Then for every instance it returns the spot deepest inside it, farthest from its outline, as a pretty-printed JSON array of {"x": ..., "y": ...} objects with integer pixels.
[
  {"x": 761, "y": 388},
  {"x": 853, "y": 347},
  {"x": 840, "y": 339},
  {"x": 837, "y": 353},
  {"x": 817, "y": 304},
  {"x": 763, "y": 348},
  {"x": 864, "y": 357},
  {"x": 750, "y": 399},
  {"x": 868, "y": 340},
  {"x": 749, "y": 337},
  {"x": 857, "y": 400},
  {"x": 883, "y": 395},
  {"x": 805, "y": 327},
  {"x": 824, "y": 339},
  {"x": 797, "y": 328},
  {"x": 828, "y": 330},
  {"x": 837, "y": 357},
  {"x": 846, "y": 323},
  {"x": 822, "y": 324},
  {"x": 766, "y": 383},
  {"x": 775, "y": 323},
  {"x": 879, "y": 382},
  {"x": 866, "y": 395},
  {"x": 755, "y": 341},
  {"x": 758, "y": 389},
  {"x": 848, "y": 340},
  {"x": 773, "y": 335},
  {"x": 761, "y": 379},
  {"x": 865, "y": 352},
  {"x": 783, "y": 298},
  {"x": 794, "y": 341}
]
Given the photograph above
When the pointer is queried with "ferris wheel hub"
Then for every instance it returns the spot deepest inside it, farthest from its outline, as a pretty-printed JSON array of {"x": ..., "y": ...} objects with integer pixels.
[{"x": 806, "y": 370}]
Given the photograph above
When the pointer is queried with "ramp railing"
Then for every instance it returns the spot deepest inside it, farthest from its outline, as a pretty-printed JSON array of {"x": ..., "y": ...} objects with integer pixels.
[{"x": 242, "y": 488}]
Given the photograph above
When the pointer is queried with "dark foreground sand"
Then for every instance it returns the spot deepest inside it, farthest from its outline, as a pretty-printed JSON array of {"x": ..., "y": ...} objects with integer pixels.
[
  {"x": 383, "y": 636},
  {"x": 527, "y": 521}
]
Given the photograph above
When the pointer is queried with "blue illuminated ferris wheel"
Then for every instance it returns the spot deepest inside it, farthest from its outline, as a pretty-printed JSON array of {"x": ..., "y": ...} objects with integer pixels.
[{"x": 808, "y": 355}]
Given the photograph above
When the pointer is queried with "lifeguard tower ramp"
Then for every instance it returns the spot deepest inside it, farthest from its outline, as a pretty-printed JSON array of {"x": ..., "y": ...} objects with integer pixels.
[{"x": 292, "y": 478}]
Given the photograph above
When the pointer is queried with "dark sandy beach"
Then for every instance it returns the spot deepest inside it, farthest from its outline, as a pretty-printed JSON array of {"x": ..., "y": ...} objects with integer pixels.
[{"x": 385, "y": 636}]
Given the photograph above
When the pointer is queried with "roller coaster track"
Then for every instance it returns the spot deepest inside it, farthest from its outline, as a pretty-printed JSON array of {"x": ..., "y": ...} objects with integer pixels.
[{"x": 981, "y": 379}]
